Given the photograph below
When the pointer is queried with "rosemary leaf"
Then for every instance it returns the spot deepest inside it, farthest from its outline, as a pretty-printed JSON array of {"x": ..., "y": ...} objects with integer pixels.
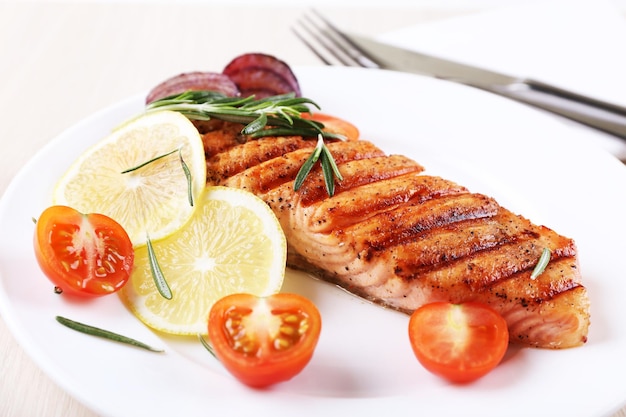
[
  {"x": 187, "y": 176},
  {"x": 544, "y": 259},
  {"x": 307, "y": 166},
  {"x": 305, "y": 132},
  {"x": 207, "y": 345},
  {"x": 285, "y": 115},
  {"x": 255, "y": 125},
  {"x": 327, "y": 171},
  {"x": 284, "y": 131},
  {"x": 148, "y": 162},
  {"x": 157, "y": 273},
  {"x": 333, "y": 164},
  {"x": 98, "y": 332}
]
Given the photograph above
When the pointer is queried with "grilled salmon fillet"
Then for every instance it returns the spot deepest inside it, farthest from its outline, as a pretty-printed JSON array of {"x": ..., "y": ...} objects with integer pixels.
[{"x": 401, "y": 238}]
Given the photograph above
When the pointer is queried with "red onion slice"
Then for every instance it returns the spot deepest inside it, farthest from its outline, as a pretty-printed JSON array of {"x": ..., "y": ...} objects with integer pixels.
[
  {"x": 261, "y": 72},
  {"x": 212, "y": 81},
  {"x": 260, "y": 81}
]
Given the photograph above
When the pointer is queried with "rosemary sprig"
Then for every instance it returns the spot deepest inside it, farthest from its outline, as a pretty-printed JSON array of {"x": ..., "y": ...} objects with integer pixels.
[
  {"x": 143, "y": 164},
  {"x": 182, "y": 163},
  {"x": 544, "y": 259},
  {"x": 329, "y": 167},
  {"x": 280, "y": 111},
  {"x": 106, "y": 334},
  {"x": 270, "y": 116}
]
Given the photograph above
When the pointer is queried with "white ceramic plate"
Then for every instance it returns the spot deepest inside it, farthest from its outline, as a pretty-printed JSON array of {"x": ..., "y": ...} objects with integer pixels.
[{"x": 532, "y": 163}]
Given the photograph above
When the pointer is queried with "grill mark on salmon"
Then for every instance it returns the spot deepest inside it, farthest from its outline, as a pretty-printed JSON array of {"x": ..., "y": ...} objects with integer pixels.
[
  {"x": 401, "y": 238},
  {"x": 356, "y": 173},
  {"x": 391, "y": 227},
  {"x": 457, "y": 240},
  {"x": 218, "y": 135},
  {"x": 480, "y": 269},
  {"x": 252, "y": 152},
  {"x": 261, "y": 178},
  {"x": 344, "y": 210}
]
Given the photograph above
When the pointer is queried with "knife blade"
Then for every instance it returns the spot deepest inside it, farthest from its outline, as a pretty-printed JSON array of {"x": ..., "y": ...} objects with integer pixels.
[{"x": 598, "y": 114}]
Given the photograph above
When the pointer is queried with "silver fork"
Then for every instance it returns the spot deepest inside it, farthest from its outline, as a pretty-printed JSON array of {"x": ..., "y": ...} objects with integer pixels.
[
  {"x": 329, "y": 43},
  {"x": 333, "y": 47}
]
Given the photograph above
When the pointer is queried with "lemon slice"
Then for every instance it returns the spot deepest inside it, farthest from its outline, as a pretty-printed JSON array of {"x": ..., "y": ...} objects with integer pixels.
[
  {"x": 233, "y": 243},
  {"x": 151, "y": 199}
]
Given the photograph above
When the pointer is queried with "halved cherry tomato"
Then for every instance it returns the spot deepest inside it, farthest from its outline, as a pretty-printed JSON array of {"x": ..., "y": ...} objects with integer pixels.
[
  {"x": 459, "y": 342},
  {"x": 264, "y": 340},
  {"x": 83, "y": 254},
  {"x": 334, "y": 124}
]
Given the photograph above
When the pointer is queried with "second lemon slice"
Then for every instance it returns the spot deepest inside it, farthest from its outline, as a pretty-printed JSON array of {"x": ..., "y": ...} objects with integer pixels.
[
  {"x": 232, "y": 243},
  {"x": 139, "y": 175}
]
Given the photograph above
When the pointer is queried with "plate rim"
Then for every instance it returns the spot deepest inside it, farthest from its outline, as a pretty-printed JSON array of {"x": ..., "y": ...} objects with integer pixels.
[{"x": 23, "y": 339}]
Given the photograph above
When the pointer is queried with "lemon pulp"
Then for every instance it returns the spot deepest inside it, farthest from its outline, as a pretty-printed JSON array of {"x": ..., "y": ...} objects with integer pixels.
[
  {"x": 232, "y": 243},
  {"x": 151, "y": 199}
]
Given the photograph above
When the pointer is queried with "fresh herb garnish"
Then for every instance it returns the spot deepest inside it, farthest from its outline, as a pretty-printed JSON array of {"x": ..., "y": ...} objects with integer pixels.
[
  {"x": 329, "y": 167},
  {"x": 98, "y": 332},
  {"x": 207, "y": 345},
  {"x": 157, "y": 273},
  {"x": 544, "y": 259},
  {"x": 281, "y": 111},
  {"x": 187, "y": 175},
  {"x": 182, "y": 163},
  {"x": 143, "y": 164},
  {"x": 270, "y": 116}
]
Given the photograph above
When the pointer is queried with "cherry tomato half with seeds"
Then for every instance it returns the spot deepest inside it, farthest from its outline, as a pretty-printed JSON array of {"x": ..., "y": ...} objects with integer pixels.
[
  {"x": 262, "y": 341},
  {"x": 459, "y": 342},
  {"x": 334, "y": 124},
  {"x": 87, "y": 255}
]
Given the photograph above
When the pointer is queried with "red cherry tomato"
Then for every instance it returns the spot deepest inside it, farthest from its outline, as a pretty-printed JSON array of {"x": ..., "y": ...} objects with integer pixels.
[
  {"x": 83, "y": 254},
  {"x": 263, "y": 341},
  {"x": 459, "y": 342},
  {"x": 334, "y": 124}
]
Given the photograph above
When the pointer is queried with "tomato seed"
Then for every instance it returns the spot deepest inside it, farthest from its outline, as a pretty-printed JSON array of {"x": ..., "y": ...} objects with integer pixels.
[
  {"x": 291, "y": 318},
  {"x": 281, "y": 343},
  {"x": 245, "y": 346},
  {"x": 238, "y": 334},
  {"x": 304, "y": 326},
  {"x": 249, "y": 347},
  {"x": 66, "y": 266},
  {"x": 287, "y": 330},
  {"x": 109, "y": 266}
]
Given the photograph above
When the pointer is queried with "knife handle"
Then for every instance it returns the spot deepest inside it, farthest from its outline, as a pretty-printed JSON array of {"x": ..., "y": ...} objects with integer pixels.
[{"x": 607, "y": 117}]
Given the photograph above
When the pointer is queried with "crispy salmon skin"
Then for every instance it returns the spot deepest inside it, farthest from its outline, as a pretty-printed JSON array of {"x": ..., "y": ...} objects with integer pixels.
[{"x": 401, "y": 238}]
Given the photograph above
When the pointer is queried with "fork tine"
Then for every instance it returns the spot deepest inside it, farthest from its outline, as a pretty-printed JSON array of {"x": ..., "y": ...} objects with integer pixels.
[
  {"x": 325, "y": 42},
  {"x": 329, "y": 44},
  {"x": 361, "y": 57},
  {"x": 317, "y": 39},
  {"x": 311, "y": 47},
  {"x": 329, "y": 38}
]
